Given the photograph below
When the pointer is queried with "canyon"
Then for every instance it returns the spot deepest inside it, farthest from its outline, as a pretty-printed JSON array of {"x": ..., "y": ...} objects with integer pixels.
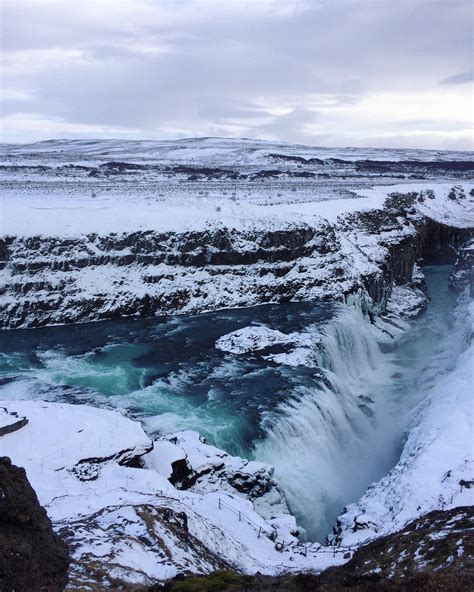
[{"x": 307, "y": 310}]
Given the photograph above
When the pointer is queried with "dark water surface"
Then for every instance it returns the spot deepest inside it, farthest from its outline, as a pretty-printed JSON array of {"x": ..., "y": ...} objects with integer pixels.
[{"x": 166, "y": 369}]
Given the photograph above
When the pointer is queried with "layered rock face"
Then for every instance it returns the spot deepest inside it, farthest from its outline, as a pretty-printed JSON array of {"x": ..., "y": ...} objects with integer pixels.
[
  {"x": 32, "y": 557},
  {"x": 463, "y": 269},
  {"x": 60, "y": 280},
  {"x": 55, "y": 281}
]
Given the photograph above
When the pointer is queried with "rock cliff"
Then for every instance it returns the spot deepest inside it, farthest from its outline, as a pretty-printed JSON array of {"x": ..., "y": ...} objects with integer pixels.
[
  {"x": 32, "y": 557},
  {"x": 50, "y": 280}
]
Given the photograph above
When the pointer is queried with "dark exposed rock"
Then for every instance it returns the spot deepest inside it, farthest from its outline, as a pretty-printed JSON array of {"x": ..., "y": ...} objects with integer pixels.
[
  {"x": 267, "y": 173},
  {"x": 121, "y": 167},
  {"x": 182, "y": 475},
  {"x": 301, "y": 174},
  {"x": 13, "y": 423},
  {"x": 305, "y": 582},
  {"x": 441, "y": 243},
  {"x": 203, "y": 172},
  {"x": 408, "y": 165},
  {"x": 463, "y": 269},
  {"x": 32, "y": 557},
  {"x": 297, "y": 159},
  {"x": 439, "y": 540}
]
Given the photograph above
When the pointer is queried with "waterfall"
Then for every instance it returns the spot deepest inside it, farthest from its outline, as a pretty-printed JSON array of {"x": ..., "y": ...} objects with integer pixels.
[
  {"x": 324, "y": 441},
  {"x": 331, "y": 440}
]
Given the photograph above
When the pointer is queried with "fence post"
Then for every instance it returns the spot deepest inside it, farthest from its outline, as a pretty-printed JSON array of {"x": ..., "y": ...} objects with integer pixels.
[
  {"x": 259, "y": 531},
  {"x": 240, "y": 517},
  {"x": 219, "y": 503},
  {"x": 334, "y": 551}
]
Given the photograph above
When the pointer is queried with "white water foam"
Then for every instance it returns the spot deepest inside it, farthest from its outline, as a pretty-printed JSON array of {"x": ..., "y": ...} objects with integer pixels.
[{"x": 330, "y": 442}]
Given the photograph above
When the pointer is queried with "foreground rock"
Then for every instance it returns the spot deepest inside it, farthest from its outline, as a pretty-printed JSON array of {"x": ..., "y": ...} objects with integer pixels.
[
  {"x": 439, "y": 541},
  {"x": 32, "y": 557}
]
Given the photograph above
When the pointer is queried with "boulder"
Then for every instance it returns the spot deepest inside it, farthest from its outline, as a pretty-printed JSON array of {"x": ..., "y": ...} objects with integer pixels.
[{"x": 32, "y": 557}]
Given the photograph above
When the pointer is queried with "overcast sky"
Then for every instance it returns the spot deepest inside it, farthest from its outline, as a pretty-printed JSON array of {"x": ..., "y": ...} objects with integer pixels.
[{"x": 325, "y": 72}]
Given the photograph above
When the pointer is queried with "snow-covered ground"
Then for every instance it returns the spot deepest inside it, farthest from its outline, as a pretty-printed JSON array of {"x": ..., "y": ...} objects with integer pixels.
[
  {"x": 75, "y": 187},
  {"x": 133, "y": 523},
  {"x": 54, "y": 216}
]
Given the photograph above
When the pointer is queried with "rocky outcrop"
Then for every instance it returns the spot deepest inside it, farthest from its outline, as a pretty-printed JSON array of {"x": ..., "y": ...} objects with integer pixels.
[
  {"x": 439, "y": 540},
  {"x": 10, "y": 422},
  {"x": 404, "y": 239},
  {"x": 32, "y": 557},
  {"x": 129, "y": 526},
  {"x": 190, "y": 462},
  {"x": 58, "y": 281},
  {"x": 155, "y": 533}
]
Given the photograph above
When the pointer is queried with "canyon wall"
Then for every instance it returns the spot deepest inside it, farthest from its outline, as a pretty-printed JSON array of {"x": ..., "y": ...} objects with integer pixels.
[{"x": 48, "y": 280}]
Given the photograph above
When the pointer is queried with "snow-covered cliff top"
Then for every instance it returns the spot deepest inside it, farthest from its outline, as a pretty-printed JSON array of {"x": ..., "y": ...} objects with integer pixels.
[{"x": 76, "y": 187}]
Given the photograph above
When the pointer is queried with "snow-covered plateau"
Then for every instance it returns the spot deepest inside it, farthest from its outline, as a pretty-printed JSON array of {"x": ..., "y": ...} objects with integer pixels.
[
  {"x": 100, "y": 230},
  {"x": 344, "y": 400}
]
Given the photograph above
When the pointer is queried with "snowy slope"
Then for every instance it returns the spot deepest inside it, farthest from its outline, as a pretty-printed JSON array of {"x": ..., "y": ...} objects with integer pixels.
[{"x": 75, "y": 458}]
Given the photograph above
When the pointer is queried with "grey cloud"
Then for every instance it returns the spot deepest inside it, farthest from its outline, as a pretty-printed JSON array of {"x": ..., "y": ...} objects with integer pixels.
[
  {"x": 462, "y": 78},
  {"x": 288, "y": 126},
  {"x": 205, "y": 66}
]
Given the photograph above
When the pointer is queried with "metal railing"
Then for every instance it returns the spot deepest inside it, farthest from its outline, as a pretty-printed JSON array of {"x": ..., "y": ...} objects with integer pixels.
[
  {"x": 280, "y": 544},
  {"x": 242, "y": 516}
]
